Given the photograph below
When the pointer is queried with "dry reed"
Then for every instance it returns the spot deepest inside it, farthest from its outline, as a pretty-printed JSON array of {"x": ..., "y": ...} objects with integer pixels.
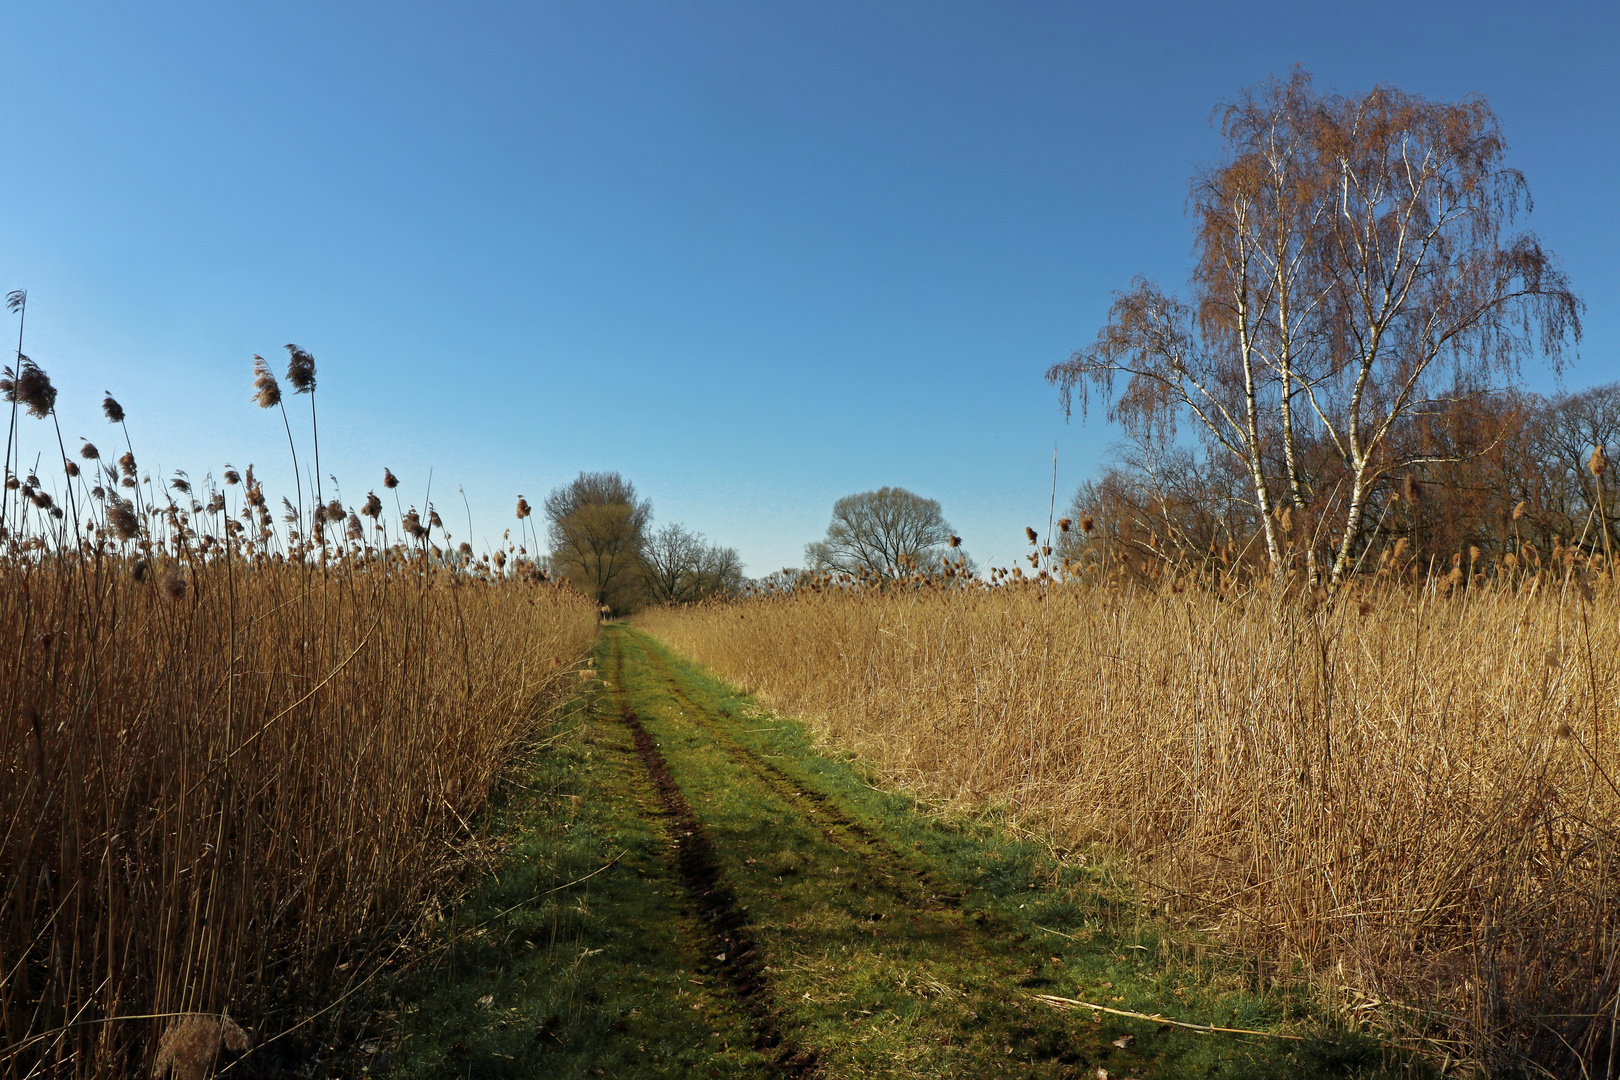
[
  {"x": 235, "y": 775},
  {"x": 1408, "y": 797},
  {"x": 220, "y": 778}
]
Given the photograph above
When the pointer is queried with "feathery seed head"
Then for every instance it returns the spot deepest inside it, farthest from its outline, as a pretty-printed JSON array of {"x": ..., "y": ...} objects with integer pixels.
[
  {"x": 300, "y": 370},
  {"x": 389, "y": 479},
  {"x": 266, "y": 391},
  {"x": 1087, "y": 524},
  {"x": 334, "y": 511},
  {"x": 113, "y": 410},
  {"x": 955, "y": 541},
  {"x": 355, "y": 532},
  {"x": 190, "y": 1046},
  {"x": 1519, "y": 510},
  {"x": 373, "y": 506},
  {"x": 1598, "y": 462},
  {"x": 1414, "y": 490},
  {"x": 31, "y": 388},
  {"x": 1029, "y": 532},
  {"x": 89, "y": 452},
  {"x": 232, "y": 476},
  {"x": 174, "y": 583},
  {"x": 70, "y": 467},
  {"x": 1065, "y": 524},
  {"x": 522, "y": 508}
]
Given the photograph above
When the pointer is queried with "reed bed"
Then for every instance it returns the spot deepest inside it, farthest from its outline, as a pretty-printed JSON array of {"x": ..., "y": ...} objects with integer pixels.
[
  {"x": 239, "y": 757},
  {"x": 1408, "y": 797},
  {"x": 222, "y": 780}
]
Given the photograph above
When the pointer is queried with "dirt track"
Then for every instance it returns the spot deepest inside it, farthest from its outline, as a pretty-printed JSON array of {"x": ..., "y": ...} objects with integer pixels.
[{"x": 696, "y": 889}]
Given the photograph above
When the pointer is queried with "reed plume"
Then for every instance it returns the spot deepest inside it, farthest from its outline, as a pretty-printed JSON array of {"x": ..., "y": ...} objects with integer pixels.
[
  {"x": 300, "y": 370},
  {"x": 266, "y": 391},
  {"x": 192, "y": 1042},
  {"x": 32, "y": 389},
  {"x": 301, "y": 374}
]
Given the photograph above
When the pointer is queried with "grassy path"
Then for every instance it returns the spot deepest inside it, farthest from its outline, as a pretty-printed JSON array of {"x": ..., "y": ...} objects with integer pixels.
[{"x": 693, "y": 890}]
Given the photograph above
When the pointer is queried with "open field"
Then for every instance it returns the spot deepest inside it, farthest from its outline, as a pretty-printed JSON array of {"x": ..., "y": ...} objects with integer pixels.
[
  {"x": 694, "y": 890},
  {"x": 233, "y": 781},
  {"x": 1411, "y": 801}
]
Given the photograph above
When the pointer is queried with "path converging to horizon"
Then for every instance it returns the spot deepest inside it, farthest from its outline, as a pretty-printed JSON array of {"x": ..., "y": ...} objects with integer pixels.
[{"x": 695, "y": 890}]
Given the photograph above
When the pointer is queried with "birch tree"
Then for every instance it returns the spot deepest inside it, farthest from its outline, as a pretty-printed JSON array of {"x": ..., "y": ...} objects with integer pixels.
[{"x": 1354, "y": 265}]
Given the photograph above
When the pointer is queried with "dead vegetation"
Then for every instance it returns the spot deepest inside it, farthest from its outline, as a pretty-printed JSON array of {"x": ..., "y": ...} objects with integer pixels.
[
  {"x": 238, "y": 757},
  {"x": 1407, "y": 795}
]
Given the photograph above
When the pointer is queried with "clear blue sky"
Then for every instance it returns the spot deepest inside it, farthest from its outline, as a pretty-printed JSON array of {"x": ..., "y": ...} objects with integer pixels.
[{"x": 754, "y": 256}]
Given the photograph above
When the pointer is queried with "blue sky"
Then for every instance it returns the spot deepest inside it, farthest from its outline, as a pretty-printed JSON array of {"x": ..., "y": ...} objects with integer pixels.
[{"x": 754, "y": 256}]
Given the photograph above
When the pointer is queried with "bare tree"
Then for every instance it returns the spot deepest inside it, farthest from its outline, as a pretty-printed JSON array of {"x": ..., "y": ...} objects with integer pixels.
[
  {"x": 1160, "y": 500},
  {"x": 886, "y": 533},
  {"x": 1354, "y": 266},
  {"x": 598, "y": 527},
  {"x": 681, "y": 566},
  {"x": 1569, "y": 428}
]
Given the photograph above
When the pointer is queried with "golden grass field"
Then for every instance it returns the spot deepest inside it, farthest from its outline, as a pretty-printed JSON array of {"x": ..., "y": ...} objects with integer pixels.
[
  {"x": 233, "y": 781},
  {"x": 1410, "y": 800}
]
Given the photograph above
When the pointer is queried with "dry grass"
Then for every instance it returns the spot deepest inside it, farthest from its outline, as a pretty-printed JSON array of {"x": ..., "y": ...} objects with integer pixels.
[
  {"x": 1412, "y": 799},
  {"x": 230, "y": 779}
]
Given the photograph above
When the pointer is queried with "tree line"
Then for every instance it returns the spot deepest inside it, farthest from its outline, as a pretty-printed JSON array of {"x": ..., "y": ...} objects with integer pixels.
[
  {"x": 602, "y": 542},
  {"x": 1509, "y": 474}
]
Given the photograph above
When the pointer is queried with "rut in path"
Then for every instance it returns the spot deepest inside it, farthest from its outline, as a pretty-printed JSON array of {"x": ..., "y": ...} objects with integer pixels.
[
  {"x": 919, "y": 932},
  {"x": 716, "y": 904},
  {"x": 842, "y": 831}
]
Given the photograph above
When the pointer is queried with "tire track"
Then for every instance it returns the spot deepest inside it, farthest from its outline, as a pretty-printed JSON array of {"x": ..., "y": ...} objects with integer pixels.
[
  {"x": 736, "y": 957},
  {"x": 842, "y": 831}
]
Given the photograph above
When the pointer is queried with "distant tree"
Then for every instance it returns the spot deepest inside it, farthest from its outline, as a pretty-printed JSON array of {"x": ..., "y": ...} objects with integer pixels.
[
  {"x": 1354, "y": 268},
  {"x": 887, "y": 533},
  {"x": 682, "y": 567},
  {"x": 597, "y": 528}
]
